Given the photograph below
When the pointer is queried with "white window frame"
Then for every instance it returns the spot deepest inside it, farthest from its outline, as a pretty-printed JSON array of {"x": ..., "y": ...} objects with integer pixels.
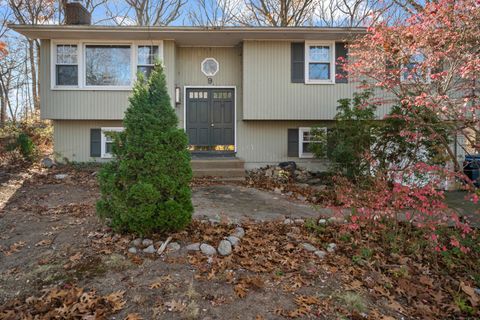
[
  {"x": 81, "y": 56},
  {"x": 309, "y": 44},
  {"x": 103, "y": 148},
  {"x": 54, "y": 64},
  {"x": 203, "y": 71},
  {"x": 136, "y": 56},
  {"x": 405, "y": 80},
  {"x": 301, "y": 152}
]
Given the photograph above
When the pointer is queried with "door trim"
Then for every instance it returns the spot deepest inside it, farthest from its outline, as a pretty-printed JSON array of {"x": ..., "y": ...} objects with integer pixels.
[{"x": 212, "y": 87}]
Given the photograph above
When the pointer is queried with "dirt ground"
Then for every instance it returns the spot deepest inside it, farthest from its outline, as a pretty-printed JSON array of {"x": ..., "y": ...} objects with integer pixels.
[{"x": 51, "y": 237}]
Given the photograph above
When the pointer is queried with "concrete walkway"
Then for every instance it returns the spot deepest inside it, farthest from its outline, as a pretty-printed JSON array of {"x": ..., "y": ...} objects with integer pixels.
[
  {"x": 238, "y": 203},
  {"x": 241, "y": 203}
]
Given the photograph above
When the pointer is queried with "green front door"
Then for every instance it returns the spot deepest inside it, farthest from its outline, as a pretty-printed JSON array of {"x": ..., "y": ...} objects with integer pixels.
[{"x": 210, "y": 119}]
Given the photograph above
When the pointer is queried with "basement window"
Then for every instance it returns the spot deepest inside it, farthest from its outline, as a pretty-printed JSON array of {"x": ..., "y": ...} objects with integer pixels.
[
  {"x": 107, "y": 141},
  {"x": 306, "y": 139}
]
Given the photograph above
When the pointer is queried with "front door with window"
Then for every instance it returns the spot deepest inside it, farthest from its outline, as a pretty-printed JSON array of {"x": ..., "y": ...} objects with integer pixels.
[{"x": 210, "y": 119}]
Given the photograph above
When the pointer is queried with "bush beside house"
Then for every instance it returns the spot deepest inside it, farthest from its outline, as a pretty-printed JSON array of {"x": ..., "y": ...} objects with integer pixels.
[{"x": 146, "y": 186}]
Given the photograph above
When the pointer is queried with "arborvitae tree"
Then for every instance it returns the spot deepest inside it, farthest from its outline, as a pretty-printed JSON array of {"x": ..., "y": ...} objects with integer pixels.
[{"x": 145, "y": 187}]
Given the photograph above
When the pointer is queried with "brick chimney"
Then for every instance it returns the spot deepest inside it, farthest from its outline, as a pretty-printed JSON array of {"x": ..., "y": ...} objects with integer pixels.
[{"x": 76, "y": 13}]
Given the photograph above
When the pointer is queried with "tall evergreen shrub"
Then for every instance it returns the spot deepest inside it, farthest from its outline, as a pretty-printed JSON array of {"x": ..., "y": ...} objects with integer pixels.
[{"x": 145, "y": 188}]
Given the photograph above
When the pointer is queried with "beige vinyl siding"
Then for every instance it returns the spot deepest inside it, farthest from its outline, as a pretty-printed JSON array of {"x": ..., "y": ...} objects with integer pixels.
[
  {"x": 266, "y": 143},
  {"x": 89, "y": 104},
  {"x": 71, "y": 139},
  {"x": 188, "y": 73},
  {"x": 270, "y": 94}
]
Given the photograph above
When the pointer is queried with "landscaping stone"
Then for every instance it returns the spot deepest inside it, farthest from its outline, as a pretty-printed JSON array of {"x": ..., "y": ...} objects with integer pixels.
[
  {"x": 331, "y": 247},
  {"x": 337, "y": 220},
  {"x": 132, "y": 250},
  {"x": 308, "y": 247},
  {"x": 287, "y": 221},
  {"x": 225, "y": 248},
  {"x": 47, "y": 163},
  {"x": 147, "y": 242},
  {"x": 322, "y": 221},
  {"x": 149, "y": 249},
  {"x": 60, "y": 176},
  {"x": 299, "y": 221},
  {"x": 137, "y": 242},
  {"x": 233, "y": 240},
  {"x": 320, "y": 253},
  {"x": 208, "y": 249},
  {"x": 277, "y": 190},
  {"x": 214, "y": 221},
  {"x": 193, "y": 247},
  {"x": 239, "y": 232},
  {"x": 288, "y": 165},
  {"x": 173, "y": 246}
]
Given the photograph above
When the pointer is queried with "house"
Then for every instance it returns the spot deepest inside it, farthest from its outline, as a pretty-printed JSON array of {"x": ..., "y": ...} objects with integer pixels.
[{"x": 247, "y": 92}]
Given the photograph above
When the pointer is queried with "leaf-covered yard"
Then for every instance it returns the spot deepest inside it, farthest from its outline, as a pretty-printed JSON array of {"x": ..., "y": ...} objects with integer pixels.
[{"x": 59, "y": 260}]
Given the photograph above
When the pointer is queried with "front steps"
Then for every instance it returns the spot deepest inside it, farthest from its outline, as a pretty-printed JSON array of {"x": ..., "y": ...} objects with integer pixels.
[{"x": 220, "y": 168}]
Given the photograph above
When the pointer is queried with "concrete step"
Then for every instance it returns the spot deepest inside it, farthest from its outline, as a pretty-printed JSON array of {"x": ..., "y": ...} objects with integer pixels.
[
  {"x": 217, "y": 164},
  {"x": 222, "y": 173}
]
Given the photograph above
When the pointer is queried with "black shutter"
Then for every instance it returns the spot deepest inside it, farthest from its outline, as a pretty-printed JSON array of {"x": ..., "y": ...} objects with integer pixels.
[
  {"x": 95, "y": 142},
  {"x": 292, "y": 143},
  {"x": 340, "y": 51},
  {"x": 298, "y": 62}
]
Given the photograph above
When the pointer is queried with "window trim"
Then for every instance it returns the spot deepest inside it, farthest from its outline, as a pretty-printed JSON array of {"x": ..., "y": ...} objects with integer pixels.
[
  {"x": 136, "y": 56},
  {"x": 330, "y": 44},
  {"x": 216, "y": 71},
  {"x": 84, "y": 67},
  {"x": 81, "y": 56},
  {"x": 103, "y": 140},
  {"x": 427, "y": 79},
  {"x": 54, "y": 64},
  {"x": 301, "y": 153}
]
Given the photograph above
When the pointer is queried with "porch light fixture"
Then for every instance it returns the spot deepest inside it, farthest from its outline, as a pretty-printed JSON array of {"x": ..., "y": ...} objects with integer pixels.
[{"x": 177, "y": 95}]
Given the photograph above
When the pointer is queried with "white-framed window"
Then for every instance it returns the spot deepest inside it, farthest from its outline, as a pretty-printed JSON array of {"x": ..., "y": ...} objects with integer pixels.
[
  {"x": 66, "y": 65},
  {"x": 146, "y": 58},
  {"x": 414, "y": 71},
  {"x": 107, "y": 141},
  {"x": 101, "y": 65},
  {"x": 108, "y": 65},
  {"x": 305, "y": 140},
  {"x": 319, "y": 62},
  {"x": 210, "y": 67}
]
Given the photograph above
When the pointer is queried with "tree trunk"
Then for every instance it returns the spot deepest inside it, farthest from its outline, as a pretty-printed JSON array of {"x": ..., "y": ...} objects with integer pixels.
[{"x": 3, "y": 108}]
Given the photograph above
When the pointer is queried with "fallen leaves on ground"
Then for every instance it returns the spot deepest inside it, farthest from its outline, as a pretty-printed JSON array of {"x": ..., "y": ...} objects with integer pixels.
[
  {"x": 245, "y": 284},
  {"x": 64, "y": 303},
  {"x": 17, "y": 246},
  {"x": 410, "y": 285}
]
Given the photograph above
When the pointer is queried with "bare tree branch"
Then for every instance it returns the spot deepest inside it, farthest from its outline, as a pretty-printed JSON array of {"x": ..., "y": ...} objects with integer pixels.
[
  {"x": 278, "y": 13},
  {"x": 156, "y": 13}
]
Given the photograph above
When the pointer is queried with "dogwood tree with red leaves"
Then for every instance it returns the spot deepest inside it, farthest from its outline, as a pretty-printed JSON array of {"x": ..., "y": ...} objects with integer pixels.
[
  {"x": 430, "y": 63},
  {"x": 429, "y": 67}
]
